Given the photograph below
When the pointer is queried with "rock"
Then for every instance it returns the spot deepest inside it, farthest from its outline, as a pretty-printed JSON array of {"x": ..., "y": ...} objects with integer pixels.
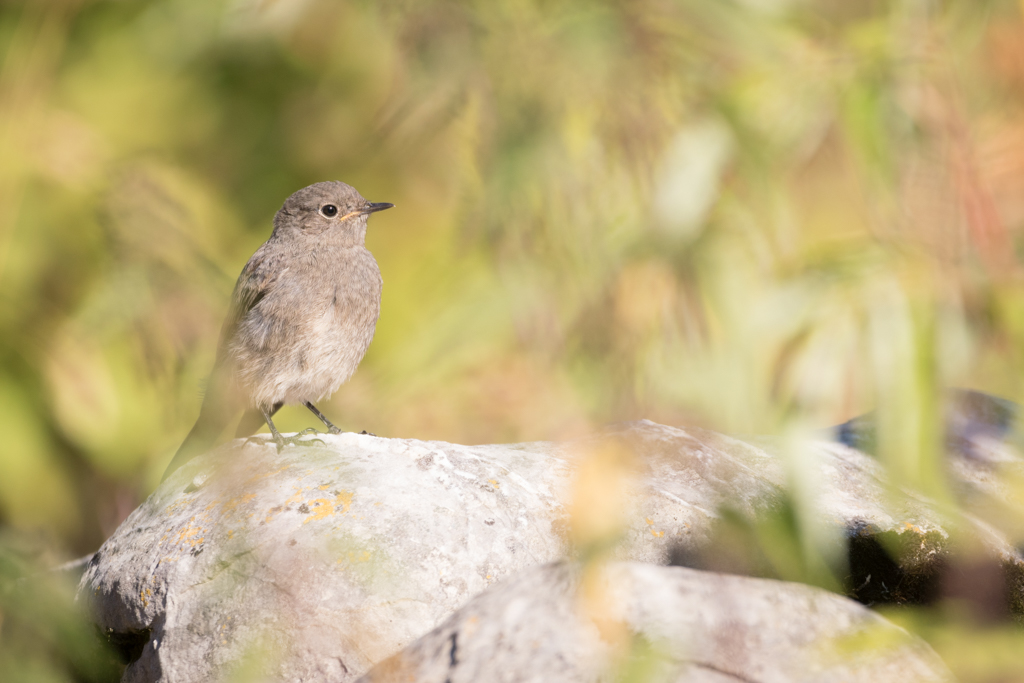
[
  {"x": 688, "y": 625},
  {"x": 974, "y": 422},
  {"x": 331, "y": 556},
  {"x": 984, "y": 469}
]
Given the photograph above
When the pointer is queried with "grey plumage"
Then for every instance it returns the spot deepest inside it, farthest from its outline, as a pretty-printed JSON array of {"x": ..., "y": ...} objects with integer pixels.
[{"x": 302, "y": 315}]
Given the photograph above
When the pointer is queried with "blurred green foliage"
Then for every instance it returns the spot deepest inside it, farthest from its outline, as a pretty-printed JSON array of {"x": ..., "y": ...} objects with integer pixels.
[
  {"x": 44, "y": 635},
  {"x": 759, "y": 215}
]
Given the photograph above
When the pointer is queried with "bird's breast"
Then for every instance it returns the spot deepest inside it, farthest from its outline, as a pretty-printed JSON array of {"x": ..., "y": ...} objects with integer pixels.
[{"x": 318, "y": 323}]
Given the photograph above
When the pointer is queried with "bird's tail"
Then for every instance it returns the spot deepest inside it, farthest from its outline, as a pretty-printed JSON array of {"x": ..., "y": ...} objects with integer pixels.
[
  {"x": 251, "y": 422},
  {"x": 212, "y": 421},
  {"x": 204, "y": 434},
  {"x": 220, "y": 406}
]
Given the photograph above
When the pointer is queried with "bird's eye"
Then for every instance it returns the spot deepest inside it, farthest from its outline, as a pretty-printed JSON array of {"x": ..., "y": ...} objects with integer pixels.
[{"x": 329, "y": 210}]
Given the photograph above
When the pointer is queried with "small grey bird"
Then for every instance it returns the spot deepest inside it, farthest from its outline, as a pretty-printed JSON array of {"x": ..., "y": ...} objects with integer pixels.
[{"x": 302, "y": 315}]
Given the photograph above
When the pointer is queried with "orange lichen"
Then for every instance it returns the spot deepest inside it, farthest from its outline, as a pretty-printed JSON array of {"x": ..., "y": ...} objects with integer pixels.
[
  {"x": 175, "y": 505},
  {"x": 656, "y": 534},
  {"x": 189, "y": 534},
  {"x": 235, "y": 502},
  {"x": 322, "y": 507},
  {"x": 344, "y": 499},
  {"x": 319, "y": 508},
  {"x": 297, "y": 498}
]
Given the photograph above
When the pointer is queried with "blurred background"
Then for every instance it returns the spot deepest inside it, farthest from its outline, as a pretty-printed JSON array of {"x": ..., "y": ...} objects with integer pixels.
[{"x": 757, "y": 216}]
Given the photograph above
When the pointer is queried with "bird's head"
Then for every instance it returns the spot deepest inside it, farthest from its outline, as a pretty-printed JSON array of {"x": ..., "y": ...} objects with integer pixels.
[{"x": 325, "y": 210}]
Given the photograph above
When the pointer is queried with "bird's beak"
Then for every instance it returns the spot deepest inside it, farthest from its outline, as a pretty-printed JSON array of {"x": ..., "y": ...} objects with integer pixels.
[
  {"x": 372, "y": 207},
  {"x": 368, "y": 208}
]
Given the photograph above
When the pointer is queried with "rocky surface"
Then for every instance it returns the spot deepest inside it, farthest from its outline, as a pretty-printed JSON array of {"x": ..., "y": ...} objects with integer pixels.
[
  {"x": 331, "y": 556},
  {"x": 325, "y": 559},
  {"x": 675, "y": 624}
]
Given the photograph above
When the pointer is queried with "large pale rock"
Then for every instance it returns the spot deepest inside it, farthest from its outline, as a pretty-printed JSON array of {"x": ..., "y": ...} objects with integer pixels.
[
  {"x": 331, "y": 556},
  {"x": 690, "y": 627}
]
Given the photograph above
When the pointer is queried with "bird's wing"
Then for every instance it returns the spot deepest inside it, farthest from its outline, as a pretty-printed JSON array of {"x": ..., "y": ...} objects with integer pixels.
[
  {"x": 221, "y": 404},
  {"x": 256, "y": 279}
]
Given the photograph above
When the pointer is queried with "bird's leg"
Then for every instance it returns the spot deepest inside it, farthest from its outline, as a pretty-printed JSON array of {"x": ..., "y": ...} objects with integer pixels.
[
  {"x": 278, "y": 439},
  {"x": 330, "y": 425},
  {"x": 253, "y": 419}
]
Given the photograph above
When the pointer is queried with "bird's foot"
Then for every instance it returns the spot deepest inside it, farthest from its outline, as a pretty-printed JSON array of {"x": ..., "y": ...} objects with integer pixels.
[
  {"x": 260, "y": 440},
  {"x": 330, "y": 430},
  {"x": 300, "y": 439},
  {"x": 280, "y": 441}
]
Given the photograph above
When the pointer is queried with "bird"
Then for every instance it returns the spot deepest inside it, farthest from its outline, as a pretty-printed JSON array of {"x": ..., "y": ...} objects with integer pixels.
[{"x": 302, "y": 315}]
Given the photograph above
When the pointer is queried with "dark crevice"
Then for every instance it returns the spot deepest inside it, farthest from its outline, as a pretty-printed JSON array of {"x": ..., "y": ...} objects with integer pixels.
[
  {"x": 453, "y": 659},
  {"x": 884, "y": 571},
  {"x": 730, "y": 674},
  {"x": 129, "y": 644}
]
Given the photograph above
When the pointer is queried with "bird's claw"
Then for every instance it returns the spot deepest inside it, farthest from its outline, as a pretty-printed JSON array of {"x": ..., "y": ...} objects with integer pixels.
[
  {"x": 298, "y": 439},
  {"x": 282, "y": 441}
]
